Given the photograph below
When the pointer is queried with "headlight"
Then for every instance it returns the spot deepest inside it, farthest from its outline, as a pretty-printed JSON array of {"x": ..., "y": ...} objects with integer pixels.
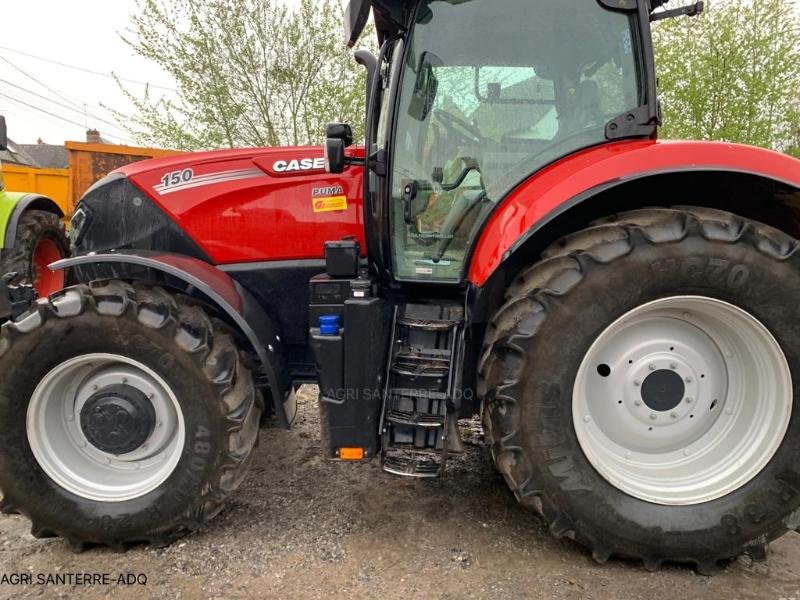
[{"x": 77, "y": 225}]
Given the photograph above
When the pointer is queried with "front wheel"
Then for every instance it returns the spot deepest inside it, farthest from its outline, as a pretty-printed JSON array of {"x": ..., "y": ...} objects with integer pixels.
[
  {"x": 127, "y": 415},
  {"x": 40, "y": 240},
  {"x": 639, "y": 386}
]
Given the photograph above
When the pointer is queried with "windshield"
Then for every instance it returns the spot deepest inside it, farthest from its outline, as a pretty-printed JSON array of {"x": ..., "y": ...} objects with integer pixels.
[{"x": 492, "y": 92}]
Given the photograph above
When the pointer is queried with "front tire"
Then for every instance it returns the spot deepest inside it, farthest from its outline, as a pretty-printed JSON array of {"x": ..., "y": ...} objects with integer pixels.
[
  {"x": 562, "y": 421},
  {"x": 40, "y": 240},
  {"x": 127, "y": 415}
]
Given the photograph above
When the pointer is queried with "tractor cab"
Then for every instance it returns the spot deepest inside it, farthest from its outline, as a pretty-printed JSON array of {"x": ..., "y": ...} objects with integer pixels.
[{"x": 469, "y": 99}]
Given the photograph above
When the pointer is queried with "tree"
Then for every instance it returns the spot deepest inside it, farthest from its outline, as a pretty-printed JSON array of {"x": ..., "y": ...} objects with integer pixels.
[
  {"x": 732, "y": 73},
  {"x": 248, "y": 73}
]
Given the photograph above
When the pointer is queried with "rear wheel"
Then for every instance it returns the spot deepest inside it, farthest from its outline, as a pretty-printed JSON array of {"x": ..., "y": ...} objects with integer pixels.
[
  {"x": 639, "y": 386},
  {"x": 40, "y": 240},
  {"x": 127, "y": 415}
]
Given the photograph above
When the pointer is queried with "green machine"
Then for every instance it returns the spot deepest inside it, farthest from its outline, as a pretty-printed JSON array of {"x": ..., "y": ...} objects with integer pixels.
[{"x": 31, "y": 235}]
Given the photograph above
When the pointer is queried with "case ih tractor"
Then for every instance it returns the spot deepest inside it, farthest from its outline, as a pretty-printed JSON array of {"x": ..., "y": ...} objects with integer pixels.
[
  {"x": 512, "y": 241},
  {"x": 31, "y": 235}
]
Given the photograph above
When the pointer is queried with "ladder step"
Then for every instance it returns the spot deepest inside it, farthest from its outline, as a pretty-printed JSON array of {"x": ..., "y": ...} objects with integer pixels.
[
  {"x": 412, "y": 464},
  {"x": 416, "y": 394},
  {"x": 426, "y": 324},
  {"x": 420, "y": 370},
  {"x": 415, "y": 419}
]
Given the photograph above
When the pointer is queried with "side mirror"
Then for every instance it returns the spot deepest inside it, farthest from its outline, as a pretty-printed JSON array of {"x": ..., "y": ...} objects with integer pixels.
[
  {"x": 3, "y": 134},
  {"x": 334, "y": 156},
  {"x": 340, "y": 131},
  {"x": 338, "y": 137}
]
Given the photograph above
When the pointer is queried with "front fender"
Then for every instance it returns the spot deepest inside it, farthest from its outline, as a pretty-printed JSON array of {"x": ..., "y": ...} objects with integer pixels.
[
  {"x": 581, "y": 176},
  {"x": 12, "y": 205},
  {"x": 222, "y": 291},
  {"x": 8, "y": 201}
]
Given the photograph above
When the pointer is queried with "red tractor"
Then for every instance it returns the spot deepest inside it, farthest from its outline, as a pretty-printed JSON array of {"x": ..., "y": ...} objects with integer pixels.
[{"x": 512, "y": 241}]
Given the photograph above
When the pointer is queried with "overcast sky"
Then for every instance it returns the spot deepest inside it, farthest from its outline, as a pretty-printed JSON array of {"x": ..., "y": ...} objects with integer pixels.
[{"x": 79, "y": 33}]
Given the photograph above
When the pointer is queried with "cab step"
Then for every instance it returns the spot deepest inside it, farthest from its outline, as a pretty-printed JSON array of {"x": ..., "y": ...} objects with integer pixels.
[
  {"x": 412, "y": 464},
  {"x": 419, "y": 423},
  {"x": 415, "y": 419}
]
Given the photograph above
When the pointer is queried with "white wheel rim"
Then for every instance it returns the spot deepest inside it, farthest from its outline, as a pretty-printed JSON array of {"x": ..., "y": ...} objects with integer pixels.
[
  {"x": 727, "y": 424},
  {"x": 69, "y": 458}
]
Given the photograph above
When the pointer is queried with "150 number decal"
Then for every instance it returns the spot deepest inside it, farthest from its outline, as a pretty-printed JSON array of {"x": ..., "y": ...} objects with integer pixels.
[{"x": 177, "y": 177}]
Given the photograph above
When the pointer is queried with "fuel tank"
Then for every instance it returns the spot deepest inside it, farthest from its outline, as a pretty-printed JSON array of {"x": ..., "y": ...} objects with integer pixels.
[{"x": 231, "y": 206}]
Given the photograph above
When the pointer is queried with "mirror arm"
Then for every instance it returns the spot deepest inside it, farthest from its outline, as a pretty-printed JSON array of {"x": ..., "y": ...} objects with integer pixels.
[
  {"x": 691, "y": 10},
  {"x": 355, "y": 161},
  {"x": 377, "y": 163},
  {"x": 369, "y": 61}
]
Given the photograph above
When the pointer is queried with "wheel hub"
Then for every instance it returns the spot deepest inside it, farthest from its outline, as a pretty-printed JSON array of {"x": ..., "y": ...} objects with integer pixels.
[
  {"x": 118, "y": 419},
  {"x": 662, "y": 390},
  {"x": 105, "y": 427},
  {"x": 682, "y": 400}
]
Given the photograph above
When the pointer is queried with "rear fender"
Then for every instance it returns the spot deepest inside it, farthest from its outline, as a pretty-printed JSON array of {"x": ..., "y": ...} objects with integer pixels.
[
  {"x": 217, "y": 288},
  {"x": 583, "y": 179}
]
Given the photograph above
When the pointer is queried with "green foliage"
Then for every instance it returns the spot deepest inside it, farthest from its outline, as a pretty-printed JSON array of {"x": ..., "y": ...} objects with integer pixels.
[
  {"x": 248, "y": 73},
  {"x": 732, "y": 73}
]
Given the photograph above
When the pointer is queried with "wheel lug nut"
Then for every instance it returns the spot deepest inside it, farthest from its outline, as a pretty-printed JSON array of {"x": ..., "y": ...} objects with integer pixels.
[
  {"x": 651, "y": 366},
  {"x": 637, "y": 382},
  {"x": 124, "y": 380},
  {"x": 689, "y": 400},
  {"x": 637, "y": 402},
  {"x": 673, "y": 366},
  {"x": 673, "y": 414},
  {"x": 688, "y": 380},
  {"x": 94, "y": 387},
  {"x": 653, "y": 416}
]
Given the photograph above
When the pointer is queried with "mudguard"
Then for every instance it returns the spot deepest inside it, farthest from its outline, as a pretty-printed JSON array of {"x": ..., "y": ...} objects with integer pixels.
[
  {"x": 581, "y": 176},
  {"x": 22, "y": 203},
  {"x": 7, "y": 204},
  {"x": 12, "y": 205},
  {"x": 225, "y": 293}
]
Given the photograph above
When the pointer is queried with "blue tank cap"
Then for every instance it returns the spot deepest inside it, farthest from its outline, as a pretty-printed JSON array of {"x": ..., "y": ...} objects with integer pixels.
[{"x": 329, "y": 324}]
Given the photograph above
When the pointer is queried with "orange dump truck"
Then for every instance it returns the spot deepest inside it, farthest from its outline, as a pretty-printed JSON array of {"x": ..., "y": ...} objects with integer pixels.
[{"x": 88, "y": 162}]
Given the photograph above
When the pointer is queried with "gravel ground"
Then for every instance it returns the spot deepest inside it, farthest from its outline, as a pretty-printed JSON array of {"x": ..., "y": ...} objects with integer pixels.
[{"x": 301, "y": 527}]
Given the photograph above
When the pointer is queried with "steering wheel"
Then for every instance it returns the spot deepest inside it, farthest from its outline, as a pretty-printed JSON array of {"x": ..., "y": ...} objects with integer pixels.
[{"x": 452, "y": 123}]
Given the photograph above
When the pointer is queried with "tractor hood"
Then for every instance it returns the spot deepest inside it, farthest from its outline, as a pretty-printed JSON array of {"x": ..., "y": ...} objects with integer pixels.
[
  {"x": 259, "y": 156},
  {"x": 223, "y": 207}
]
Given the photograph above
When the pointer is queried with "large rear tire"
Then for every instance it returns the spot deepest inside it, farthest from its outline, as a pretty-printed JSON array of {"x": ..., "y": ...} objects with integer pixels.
[
  {"x": 647, "y": 349},
  {"x": 127, "y": 415}
]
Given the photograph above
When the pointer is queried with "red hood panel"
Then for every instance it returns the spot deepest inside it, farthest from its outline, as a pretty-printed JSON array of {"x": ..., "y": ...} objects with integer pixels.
[{"x": 255, "y": 204}]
